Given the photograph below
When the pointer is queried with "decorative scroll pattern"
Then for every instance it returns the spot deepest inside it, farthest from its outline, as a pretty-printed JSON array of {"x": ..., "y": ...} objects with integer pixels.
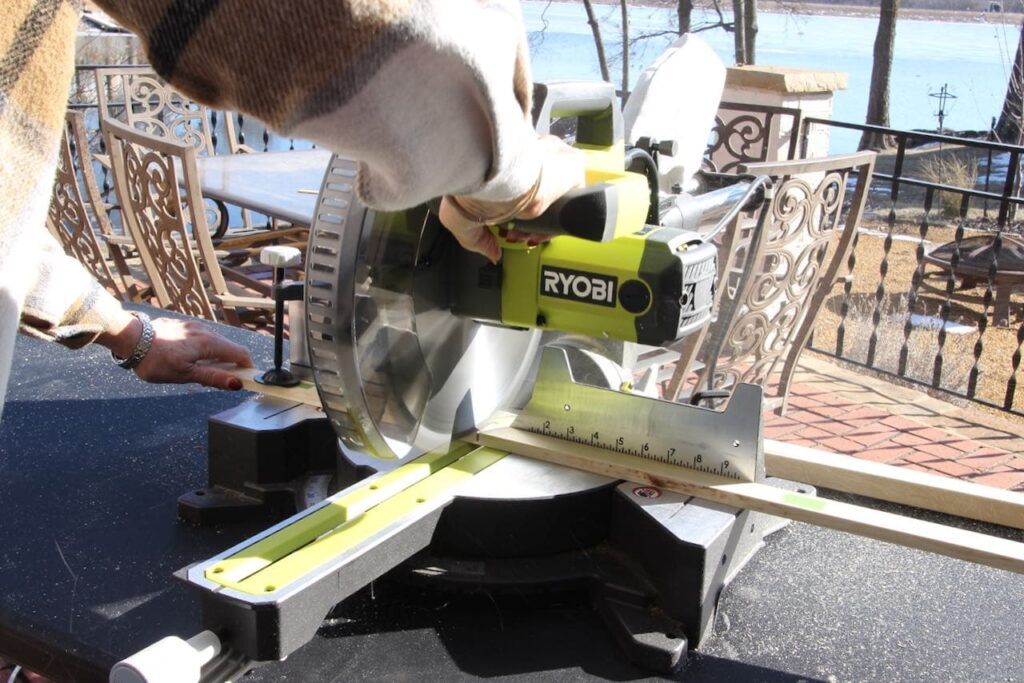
[
  {"x": 68, "y": 217},
  {"x": 804, "y": 218},
  {"x": 743, "y": 139},
  {"x": 154, "y": 107},
  {"x": 161, "y": 230}
]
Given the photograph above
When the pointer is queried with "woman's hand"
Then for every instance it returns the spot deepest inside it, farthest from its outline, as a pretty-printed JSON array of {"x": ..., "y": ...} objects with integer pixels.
[
  {"x": 562, "y": 169},
  {"x": 180, "y": 353}
]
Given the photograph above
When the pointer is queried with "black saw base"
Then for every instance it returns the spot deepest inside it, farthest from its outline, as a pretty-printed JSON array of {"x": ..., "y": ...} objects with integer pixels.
[{"x": 653, "y": 563}]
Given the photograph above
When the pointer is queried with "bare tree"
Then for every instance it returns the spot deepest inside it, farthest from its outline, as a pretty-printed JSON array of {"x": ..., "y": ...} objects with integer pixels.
[
  {"x": 739, "y": 35},
  {"x": 881, "y": 70},
  {"x": 1009, "y": 129},
  {"x": 684, "y": 13},
  {"x": 595, "y": 28},
  {"x": 744, "y": 28},
  {"x": 749, "y": 27},
  {"x": 743, "y": 25}
]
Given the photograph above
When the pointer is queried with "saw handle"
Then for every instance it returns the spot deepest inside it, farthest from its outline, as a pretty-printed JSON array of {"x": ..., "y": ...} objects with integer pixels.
[
  {"x": 585, "y": 212},
  {"x": 593, "y": 104}
]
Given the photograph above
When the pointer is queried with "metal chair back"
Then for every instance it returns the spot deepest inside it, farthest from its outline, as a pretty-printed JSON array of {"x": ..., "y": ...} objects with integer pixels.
[
  {"x": 143, "y": 101},
  {"x": 156, "y": 181},
  {"x": 77, "y": 212},
  {"x": 765, "y": 315}
]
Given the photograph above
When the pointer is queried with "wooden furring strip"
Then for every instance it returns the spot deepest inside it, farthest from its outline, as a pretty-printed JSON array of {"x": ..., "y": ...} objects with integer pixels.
[
  {"x": 305, "y": 392},
  {"x": 883, "y": 526},
  {"x": 894, "y": 484}
]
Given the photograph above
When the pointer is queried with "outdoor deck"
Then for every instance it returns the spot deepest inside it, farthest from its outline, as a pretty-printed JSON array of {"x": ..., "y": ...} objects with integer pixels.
[{"x": 844, "y": 411}]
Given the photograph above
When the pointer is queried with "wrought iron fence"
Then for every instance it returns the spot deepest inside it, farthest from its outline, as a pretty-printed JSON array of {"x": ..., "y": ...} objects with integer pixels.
[
  {"x": 929, "y": 294},
  {"x": 245, "y": 130},
  {"x": 228, "y": 131}
]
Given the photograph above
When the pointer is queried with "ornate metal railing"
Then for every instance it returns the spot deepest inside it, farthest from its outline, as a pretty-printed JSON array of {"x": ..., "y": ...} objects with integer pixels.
[
  {"x": 930, "y": 291},
  {"x": 228, "y": 131},
  {"x": 752, "y": 133}
]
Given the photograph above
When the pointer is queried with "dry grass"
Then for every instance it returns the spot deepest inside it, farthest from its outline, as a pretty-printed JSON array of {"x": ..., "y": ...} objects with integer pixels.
[
  {"x": 881, "y": 301},
  {"x": 957, "y": 169},
  {"x": 951, "y": 165}
]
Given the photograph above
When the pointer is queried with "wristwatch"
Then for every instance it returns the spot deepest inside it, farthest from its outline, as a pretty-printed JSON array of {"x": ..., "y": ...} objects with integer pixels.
[{"x": 141, "y": 347}]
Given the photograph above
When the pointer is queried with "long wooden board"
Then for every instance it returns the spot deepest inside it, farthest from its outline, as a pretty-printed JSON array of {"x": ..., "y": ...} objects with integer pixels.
[
  {"x": 895, "y": 484},
  {"x": 884, "y": 526},
  {"x": 829, "y": 470}
]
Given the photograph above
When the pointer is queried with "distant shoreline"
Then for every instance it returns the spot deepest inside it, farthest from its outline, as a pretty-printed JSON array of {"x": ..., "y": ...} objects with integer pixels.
[
  {"x": 915, "y": 14},
  {"x": 953, "y": 16}
]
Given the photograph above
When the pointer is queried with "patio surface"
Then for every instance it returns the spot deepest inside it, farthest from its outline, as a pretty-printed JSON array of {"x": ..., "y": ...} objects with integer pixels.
[{"x": 844, "y": 411}]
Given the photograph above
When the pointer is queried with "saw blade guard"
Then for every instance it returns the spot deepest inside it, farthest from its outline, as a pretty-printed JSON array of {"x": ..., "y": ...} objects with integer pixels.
[{"x": 397, "y": 372}]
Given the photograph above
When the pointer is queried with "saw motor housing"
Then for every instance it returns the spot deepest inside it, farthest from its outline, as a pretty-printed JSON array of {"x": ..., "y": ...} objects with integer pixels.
[{"x": 607, "y": 272}]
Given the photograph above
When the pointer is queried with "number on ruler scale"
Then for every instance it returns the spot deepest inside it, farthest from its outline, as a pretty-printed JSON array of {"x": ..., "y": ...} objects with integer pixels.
[{"x": 649, "y": 450}]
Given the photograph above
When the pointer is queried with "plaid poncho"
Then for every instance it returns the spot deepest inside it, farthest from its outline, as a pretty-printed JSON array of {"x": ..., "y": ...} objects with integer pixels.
[{"x": 432, "y": 96}]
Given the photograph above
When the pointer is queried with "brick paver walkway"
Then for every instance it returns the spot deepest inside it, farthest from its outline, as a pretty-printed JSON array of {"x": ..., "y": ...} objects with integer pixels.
[{"x": 843, "y": 411}]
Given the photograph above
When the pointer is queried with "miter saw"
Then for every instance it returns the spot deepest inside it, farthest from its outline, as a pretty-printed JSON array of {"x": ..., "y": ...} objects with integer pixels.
[{"x": 415, "y": 346}]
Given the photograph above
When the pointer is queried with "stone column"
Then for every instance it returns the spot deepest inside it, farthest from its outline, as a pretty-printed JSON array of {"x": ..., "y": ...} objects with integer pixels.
[{"x": 808, "y": 90}]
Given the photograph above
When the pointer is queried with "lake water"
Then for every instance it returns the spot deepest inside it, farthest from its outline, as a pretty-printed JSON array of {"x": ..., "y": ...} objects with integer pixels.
[{"x": 973, "y": 60}]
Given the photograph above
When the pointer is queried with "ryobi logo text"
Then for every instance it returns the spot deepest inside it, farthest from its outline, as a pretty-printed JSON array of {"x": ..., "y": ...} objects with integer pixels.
[{"x": 577, "y": 285}]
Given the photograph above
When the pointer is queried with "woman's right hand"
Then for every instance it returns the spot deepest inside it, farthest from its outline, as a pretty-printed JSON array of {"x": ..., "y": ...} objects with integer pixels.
[{"x": 562, "y": 169}]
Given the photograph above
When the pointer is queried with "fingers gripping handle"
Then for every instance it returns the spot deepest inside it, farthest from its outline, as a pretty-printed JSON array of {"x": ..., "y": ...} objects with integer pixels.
[{"x": 586, "y": 212}]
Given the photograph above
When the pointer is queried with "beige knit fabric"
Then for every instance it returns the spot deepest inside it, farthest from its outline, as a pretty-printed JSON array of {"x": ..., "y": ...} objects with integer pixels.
[{"x": 432, "y": 96}]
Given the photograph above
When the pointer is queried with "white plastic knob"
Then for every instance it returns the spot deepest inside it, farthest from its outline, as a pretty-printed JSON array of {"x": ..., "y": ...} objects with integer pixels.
[
  {"x": 171, "y": 660},
  {"x": 280, "y": 257}
]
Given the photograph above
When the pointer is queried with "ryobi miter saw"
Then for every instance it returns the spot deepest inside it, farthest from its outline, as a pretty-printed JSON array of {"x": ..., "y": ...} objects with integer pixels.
[
  {"x": 415, "y": 345},
  {"x": 412, "y": 338}
]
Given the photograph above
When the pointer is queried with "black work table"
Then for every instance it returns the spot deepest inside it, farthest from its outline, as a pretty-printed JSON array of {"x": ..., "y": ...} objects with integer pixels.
[{"x": 92, "y": 462}]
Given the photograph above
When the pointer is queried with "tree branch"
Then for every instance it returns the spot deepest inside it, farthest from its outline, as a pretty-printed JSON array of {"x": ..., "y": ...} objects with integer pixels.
[{"x": 595, "y": 28}]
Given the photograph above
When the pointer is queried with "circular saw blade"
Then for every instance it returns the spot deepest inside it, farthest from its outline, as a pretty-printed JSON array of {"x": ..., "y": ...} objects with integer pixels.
[{"x": 397, "y": 372}]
